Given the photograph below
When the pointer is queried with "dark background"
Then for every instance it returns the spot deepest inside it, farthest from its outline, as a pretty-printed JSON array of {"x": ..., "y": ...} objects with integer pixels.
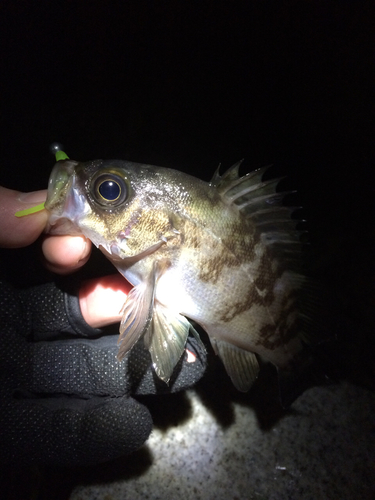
[{"x": 190, "y": 84}]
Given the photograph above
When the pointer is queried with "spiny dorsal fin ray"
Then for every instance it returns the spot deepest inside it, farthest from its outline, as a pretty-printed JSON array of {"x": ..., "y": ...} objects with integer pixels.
[
  {"x": 248, "y": 190},
  {"x": 232, "y": 173},
  {"x": 273, "y": 213},
  {"x": 216, "y": 178},
  {"x": 277, "y": 225},
  {"x": 253, "y": 203},
  {"x": 229, "y": 176},
  {"x": 242, "y": 366},
  {"x": 230, "y": 179},
  {"x": 258, "y": 201},
  {"x": 280, "y": 236}
]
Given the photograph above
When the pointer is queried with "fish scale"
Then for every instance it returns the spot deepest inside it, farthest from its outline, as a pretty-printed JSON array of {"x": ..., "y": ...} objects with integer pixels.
[{"x": 224, "y": 254}]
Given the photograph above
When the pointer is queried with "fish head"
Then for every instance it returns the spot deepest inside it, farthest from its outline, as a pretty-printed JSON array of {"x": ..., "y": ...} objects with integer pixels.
[{"x": 126, "y": 209}]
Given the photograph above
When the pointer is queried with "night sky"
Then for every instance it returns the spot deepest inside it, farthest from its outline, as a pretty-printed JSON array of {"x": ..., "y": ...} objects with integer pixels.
[{"x": 188, "y": 85}]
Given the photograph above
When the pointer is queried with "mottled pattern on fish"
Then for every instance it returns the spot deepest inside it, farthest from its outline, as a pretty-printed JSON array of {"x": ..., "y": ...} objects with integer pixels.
[{"x": 224, "y": 254}]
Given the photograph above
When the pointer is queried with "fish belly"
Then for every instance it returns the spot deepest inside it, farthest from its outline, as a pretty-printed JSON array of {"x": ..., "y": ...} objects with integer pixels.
[{"x": 232, "y": 309}]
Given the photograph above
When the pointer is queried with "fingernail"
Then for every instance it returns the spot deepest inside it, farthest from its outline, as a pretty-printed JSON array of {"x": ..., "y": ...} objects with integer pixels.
[{"x": 33, "y": 197}]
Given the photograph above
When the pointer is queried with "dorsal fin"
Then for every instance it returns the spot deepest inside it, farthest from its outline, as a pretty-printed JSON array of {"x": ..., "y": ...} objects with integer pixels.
[
  {"x": 259, "y": 201},
  {"x": 227, "y": 178}
]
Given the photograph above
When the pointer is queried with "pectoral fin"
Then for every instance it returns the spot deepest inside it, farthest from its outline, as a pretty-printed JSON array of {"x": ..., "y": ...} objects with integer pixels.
[
  {"x": 242, "y": 366},
  {"x": 137, "y": 314},
  {"x": 165, "y": 332},
  {"x": 166, "y": 340}
]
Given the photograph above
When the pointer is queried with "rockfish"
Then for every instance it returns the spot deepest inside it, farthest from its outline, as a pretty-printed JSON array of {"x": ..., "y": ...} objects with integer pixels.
[{"x": 224, "y": 254}]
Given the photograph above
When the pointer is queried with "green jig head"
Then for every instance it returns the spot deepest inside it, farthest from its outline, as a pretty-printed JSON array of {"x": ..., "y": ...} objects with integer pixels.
[{"x": 55, "y": 149}]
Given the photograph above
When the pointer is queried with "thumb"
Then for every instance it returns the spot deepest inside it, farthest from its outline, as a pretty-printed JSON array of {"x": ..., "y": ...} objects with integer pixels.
[{"x": 15, "y": 231}]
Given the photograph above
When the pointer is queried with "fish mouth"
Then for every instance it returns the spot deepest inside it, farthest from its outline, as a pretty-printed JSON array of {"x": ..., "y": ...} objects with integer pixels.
[
  {"x": 65, "y": 202},
  {"x": 68, "y": 206},
  {"x": 62, "y": 226},
  {"x": 59, "y": 180},
  {"x": 66, "y": 219}
]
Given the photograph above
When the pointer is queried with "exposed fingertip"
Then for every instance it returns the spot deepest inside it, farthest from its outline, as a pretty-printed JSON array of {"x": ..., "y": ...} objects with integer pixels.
[{"x": 65, "y": 254}]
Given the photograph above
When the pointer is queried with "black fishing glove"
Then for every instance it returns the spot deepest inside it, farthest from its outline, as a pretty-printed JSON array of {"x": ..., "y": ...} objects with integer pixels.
[{"x": 65, "y": 399}]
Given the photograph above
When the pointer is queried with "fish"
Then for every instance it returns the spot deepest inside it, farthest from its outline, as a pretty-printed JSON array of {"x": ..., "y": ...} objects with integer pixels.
[{"x": 224, "y": 254}]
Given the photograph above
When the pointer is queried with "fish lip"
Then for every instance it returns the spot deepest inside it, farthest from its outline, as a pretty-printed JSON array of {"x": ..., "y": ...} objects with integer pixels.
[
  {"x": 59, "y": 180},
  {"x": 65, "y": 220}
]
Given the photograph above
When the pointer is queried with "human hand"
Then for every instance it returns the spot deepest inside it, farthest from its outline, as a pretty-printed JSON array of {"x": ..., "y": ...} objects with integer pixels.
[
  {"x": 65, "y": 399},
  {"x": 63, "y": 254},
  {"x": 100, "y": 300}
]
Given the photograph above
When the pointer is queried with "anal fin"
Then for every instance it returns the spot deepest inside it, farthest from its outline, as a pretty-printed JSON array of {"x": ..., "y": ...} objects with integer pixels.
[{"x": 242, "y": 366}]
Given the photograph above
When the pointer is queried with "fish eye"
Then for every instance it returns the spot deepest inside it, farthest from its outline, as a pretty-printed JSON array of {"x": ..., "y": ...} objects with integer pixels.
[{"x": 110, "y": 190}]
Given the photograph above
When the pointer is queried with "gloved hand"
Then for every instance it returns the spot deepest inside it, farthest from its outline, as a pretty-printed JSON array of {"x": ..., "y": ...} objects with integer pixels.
[{"x": 64, "y": 397}]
